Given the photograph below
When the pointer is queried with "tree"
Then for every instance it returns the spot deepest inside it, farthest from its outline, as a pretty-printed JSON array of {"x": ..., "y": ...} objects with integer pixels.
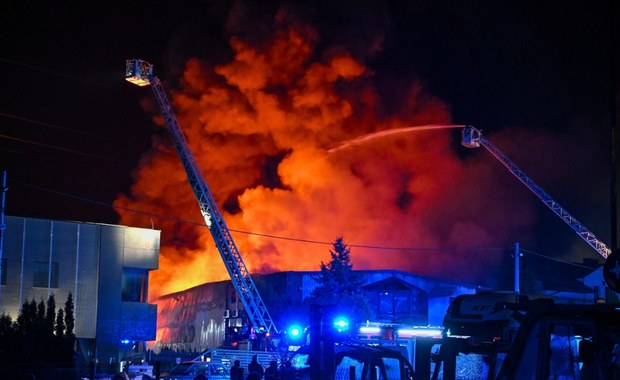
[
  {"x": 27, "y": 316},
  {"x": 7, "y": 339},
  {"x": 69, "y": 318},
  {"x": 46, "y": 337},
  {"x": 69, "y": 338},
  {"x": 40, "y": 318},
  {"x": 50, "y": 314},
  {"x": 60, "y": 324},
  {"x": 339, "y": 285},
  {"x": 39, "y": 338},
  {"x": 27, "y": 328}
]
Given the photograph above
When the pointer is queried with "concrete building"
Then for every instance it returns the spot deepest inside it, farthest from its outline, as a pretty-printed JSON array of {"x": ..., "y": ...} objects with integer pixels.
[{"x": 105, "y": 268}]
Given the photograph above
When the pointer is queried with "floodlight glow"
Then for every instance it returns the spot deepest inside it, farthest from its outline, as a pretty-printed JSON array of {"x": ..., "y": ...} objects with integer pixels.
[
  {"x": 370, "y": 330},
  {"x": 422, "y": 332}
]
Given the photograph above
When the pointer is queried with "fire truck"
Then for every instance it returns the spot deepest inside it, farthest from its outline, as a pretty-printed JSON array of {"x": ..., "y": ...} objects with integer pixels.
[
  {"x": 522, "y": 338},
  {"x": 506, "y": 335},
  {"x": 560, "y": 341}
]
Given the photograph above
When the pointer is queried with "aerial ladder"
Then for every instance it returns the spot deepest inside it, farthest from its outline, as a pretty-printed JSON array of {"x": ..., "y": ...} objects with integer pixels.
[
  {"x": 140, "y": 73},
  {"x": 473, "y": 138}
]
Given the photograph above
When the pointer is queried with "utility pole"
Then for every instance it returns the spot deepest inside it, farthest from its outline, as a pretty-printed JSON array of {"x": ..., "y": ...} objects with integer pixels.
[
  {"x": 517, "y": 267},
  {"x": 2, "y": 228}
]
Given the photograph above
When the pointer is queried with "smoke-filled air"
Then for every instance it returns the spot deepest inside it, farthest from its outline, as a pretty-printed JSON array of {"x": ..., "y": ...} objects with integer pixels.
[{"x": 298, "y": 146}]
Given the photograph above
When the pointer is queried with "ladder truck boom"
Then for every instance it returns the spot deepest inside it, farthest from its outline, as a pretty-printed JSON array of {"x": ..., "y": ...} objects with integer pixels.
[
  {"x": 473, "y": 138},
  {"x": 140, "y": 73}
]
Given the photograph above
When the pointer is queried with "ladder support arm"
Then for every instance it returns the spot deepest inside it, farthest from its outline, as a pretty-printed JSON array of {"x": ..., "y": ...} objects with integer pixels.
[
  {"x": 140, "y": 72},
  {"x": 473, "y": 138}
]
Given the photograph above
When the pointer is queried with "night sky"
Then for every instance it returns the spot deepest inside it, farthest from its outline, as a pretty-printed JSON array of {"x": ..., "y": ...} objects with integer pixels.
[{"x": 539, "y": 78}]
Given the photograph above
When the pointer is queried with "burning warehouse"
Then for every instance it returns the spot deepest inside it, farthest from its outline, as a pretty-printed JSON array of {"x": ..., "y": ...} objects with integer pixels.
[
  {"x": 211, "y": 315},
  {"x": 298, "y": 147},
  {"x": 305, "y": 131}
]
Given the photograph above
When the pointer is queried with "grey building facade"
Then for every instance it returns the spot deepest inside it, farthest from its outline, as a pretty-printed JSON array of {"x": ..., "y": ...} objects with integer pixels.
[{"x": 104, "y": 267}]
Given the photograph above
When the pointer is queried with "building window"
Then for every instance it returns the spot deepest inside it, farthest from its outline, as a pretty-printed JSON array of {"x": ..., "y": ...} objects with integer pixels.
[
  {"x": 135, "y": 285},
  {"x": 45, "y": 274},
  {"x": 3, "y": 272}
]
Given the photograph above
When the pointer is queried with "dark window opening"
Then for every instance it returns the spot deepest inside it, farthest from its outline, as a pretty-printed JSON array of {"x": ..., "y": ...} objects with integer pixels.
[{"x": 135, "y": 285}]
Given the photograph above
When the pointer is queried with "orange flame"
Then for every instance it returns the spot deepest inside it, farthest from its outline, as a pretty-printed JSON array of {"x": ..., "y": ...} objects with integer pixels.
[{"x": 279, "y": 136}]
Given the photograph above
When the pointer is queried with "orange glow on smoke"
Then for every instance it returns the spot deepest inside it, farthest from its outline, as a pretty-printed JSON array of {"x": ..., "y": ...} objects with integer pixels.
[{"x": 291, "y": 147}]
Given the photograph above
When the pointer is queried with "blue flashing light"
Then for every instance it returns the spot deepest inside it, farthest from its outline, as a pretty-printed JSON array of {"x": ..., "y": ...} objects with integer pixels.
[
  {"x": 295, "y": 332},
  {"x": 125, "y": 341},
  {"x": 341, "y": 324}
]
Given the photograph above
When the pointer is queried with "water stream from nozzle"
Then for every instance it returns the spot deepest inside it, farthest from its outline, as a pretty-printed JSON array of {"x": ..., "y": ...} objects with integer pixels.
[{"x": 389, "y": 132}]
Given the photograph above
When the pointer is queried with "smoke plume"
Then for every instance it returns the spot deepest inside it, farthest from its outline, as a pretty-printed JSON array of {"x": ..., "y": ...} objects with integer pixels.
[{"x": 298, "y": 145}]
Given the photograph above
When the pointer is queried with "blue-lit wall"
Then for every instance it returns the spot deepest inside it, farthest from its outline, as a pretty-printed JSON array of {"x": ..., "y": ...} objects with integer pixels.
[{"x": 90, "y": 259}]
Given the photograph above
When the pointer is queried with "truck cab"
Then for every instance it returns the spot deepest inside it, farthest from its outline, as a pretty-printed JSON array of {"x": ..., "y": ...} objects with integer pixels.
[
  {"x": 556, "y": 341},
  {"x": 366, "y": 362},
  {"x": 477, "y": 335}
]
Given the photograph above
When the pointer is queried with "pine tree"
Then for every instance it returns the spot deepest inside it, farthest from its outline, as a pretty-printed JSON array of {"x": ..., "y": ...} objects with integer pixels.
[
  {"x": 44, "y": 331},
  {"x": 6, "y": 325},
  {"x": 341, "y": 286},
  {"x": 27, "y": 316},
  {"x": 48, "y": 342},
  {"x": 26, "y": 331},
  {"x": 69, "y": 317},
  {"x": 59, "y": 338},
  {"x": 50, "y": 314},
  {"x": 40, "y": 311},
  {"x": 337, "y": 277},
  {"x": 69, "y": 341},
  {"x": 60, "y": 324},
  {"x": 7, "y": 340}
]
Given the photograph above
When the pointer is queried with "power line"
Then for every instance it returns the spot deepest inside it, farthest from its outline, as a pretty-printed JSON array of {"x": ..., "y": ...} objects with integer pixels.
[
  {"x": 53, "y": 72},
  {"x": 548, "y": 279},
  {"x": 554, "y": 259},
  {"x": 270, "y": 236},
  {"x": 31, "y": 121},
  {"x": 54, "y": 147}
]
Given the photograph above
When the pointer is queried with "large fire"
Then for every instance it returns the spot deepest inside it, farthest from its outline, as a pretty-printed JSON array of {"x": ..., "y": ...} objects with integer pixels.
[{"x": 299, "y": 149}]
